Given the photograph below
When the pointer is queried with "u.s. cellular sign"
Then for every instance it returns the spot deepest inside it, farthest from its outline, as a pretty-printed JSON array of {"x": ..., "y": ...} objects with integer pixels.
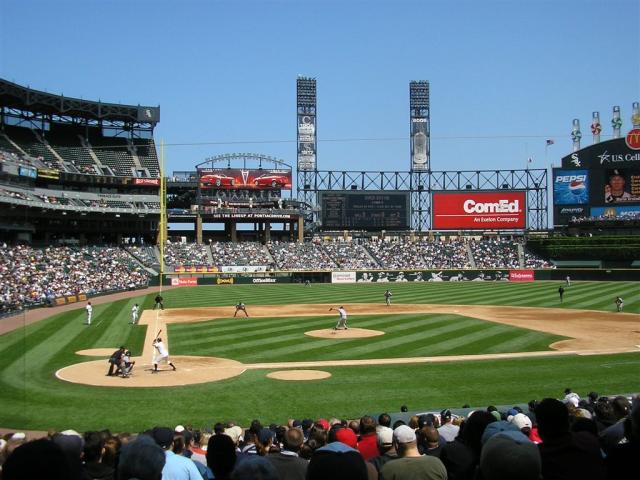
[{"x": 479, "y": 210}]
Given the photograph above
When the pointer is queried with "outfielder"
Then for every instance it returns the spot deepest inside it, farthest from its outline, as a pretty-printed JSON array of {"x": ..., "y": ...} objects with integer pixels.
[
  {"x": 89, "y": 310},
  {"x": 134, "y": 314},
  {"x": 162, "y": 355},
  {"x": 387, "y": 297},
  {"x": 619, "y": 304},
  {"x": 342, "y": 321}
]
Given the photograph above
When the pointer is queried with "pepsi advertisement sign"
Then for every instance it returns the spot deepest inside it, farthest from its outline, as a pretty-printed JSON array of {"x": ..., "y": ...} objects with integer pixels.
[{"x": 570, "y": 187}]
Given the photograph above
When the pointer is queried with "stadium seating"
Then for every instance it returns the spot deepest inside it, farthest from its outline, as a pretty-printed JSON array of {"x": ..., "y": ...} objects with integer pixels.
[
  {"x": 300, "y": 256},
  {"x": 350, "y": 255},
  {"x": 31, "y": 276},
  {"x": 495, "y": 254},
  {"x": 186, "y": 254},
  {"x": 240, "y": 254},
  {"x": 64, "y": 149}
]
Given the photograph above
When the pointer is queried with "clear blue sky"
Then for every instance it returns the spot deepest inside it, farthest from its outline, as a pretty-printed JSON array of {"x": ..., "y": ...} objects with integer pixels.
[{"x": 505, "y": 75}]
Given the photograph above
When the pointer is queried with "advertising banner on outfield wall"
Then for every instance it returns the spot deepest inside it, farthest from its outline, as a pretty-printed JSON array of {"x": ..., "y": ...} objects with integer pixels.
[
  {"x": 396, "y": 276},
  {"x": 343, "y": 277},
  {"x": 184, "y": 282},
  {"x": 521, "y": 276},
  {"x": 474, "y": 210}
]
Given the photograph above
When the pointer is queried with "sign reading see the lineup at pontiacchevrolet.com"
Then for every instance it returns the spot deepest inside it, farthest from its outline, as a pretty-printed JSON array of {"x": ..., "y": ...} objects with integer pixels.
[
  {"x": 475, "y": 210},
  {"x": 571, "y": 187}
]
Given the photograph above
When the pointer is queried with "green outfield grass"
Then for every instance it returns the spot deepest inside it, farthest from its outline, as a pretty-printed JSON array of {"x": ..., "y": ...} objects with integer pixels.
[{"x": 32, "y": 398}]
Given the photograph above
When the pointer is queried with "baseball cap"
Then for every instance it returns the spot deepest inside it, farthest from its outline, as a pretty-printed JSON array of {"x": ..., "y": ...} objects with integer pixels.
[
  {"x": 265, "y": 435},
  {"x": 324, "y": 423},
  {"x": 427, "y": 419},
  {"x": 234, "y": 432},
  {"x": 521, "y": 421},
  {"x": 404, "y": 434},
  {"x": 497, "y": 427},
  {"x": 347, "y": 436},
  {"x": 163, "y": 436},
  {"x": 385, "y": 436}
]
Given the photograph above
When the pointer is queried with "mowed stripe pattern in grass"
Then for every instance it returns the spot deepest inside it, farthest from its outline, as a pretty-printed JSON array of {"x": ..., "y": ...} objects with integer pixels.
[
  {"x": 581, "y": 295},
  {"x": 283, "y": 339},
  {"x": 33, "y": 398}
]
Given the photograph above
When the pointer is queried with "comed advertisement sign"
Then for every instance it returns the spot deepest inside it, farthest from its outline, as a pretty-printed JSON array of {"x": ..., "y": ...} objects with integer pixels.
[{"x": 479, "y": 210}]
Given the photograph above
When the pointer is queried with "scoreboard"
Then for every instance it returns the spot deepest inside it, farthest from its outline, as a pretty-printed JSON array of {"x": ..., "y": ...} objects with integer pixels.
[{"x": 366, "y": 210}]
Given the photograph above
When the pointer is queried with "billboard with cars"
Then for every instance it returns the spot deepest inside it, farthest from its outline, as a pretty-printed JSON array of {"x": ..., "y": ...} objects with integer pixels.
[{"x": 238, "y": 178}]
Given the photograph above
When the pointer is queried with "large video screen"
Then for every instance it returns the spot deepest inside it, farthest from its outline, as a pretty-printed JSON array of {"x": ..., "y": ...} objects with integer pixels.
[
  {"x": 365, "y": 210},
  {"x": 474, "y": 210},
  {"x": 600, "y": 180},
  {"x": 237, "y": 178}
]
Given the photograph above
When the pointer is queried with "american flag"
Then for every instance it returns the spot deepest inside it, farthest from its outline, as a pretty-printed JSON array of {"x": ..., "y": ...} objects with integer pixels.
[{"x": 550, "y": 142}]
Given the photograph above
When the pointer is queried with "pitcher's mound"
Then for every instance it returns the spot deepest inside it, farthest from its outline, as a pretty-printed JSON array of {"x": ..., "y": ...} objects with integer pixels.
[
  {"x": 341, "y": 334},
  {"x": 299, "y": 375}
]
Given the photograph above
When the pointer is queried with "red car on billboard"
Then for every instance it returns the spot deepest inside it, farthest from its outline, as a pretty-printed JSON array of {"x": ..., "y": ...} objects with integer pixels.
[
  {"x": 271, "y": 180},
  {"x": 475, "y": 210},
  {"x": 217, "y": 179}
]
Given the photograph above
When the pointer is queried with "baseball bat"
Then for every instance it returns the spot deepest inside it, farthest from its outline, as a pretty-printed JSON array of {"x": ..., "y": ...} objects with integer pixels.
[{"x": 157, "y": 334}]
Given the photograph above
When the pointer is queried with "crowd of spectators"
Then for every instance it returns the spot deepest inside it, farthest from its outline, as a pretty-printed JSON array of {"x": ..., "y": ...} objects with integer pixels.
[
  {"x": 12, "y": 157},
  {"x": 300, "y": 256},
  {"x": 185, "y": 254},
  {"x": 31, "y": 276},
  {"x": 618, "y": 217},
  {"x": 495, "y": 254},
  {"x": 593, "y": 438},
  {"x": 350, "y": 255},
  {"x": 531, "y": 260},
  {"x": 239, "y": 254},
  {"x": 145, "y": 254},
  {"x": 405, "y": 254}
]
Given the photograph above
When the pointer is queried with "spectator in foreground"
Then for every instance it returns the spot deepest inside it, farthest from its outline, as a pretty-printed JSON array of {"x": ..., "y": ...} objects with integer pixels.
[
  {"x": 38, "y": 459},
  {"x": 142, "y": 459},
  {"x": 385, "y": 447},
  {"x": 93, "y": 466},
  {"x": 625, "y": 458},
  {"x": 254, "y": 467},
  {"x": 287, "y": 462},
  {"x": 368, "y": 443},
  {"x": 411, "y": 465},
  {"x": 176, "y": 467},
  {"x": 461, "y": 456},
  {"x": 221, "y": 456},
  {"x": 337, "y": 461},
  {"x": 509, "y": 455},
  {"x": 566, "y": 454}
]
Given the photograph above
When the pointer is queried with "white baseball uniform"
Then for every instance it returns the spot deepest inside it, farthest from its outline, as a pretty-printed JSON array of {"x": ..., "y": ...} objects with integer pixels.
[
  {"x": 89, "y": 310},
  {"x": 342, "y": 322}
]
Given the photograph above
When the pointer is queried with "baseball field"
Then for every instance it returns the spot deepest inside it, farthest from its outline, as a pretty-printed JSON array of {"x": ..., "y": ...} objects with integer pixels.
[{"x": 438, "y": 345}]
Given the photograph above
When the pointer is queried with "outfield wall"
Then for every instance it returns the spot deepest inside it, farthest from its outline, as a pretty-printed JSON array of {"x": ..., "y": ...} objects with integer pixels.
[{"x": 398, "y": 276}]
